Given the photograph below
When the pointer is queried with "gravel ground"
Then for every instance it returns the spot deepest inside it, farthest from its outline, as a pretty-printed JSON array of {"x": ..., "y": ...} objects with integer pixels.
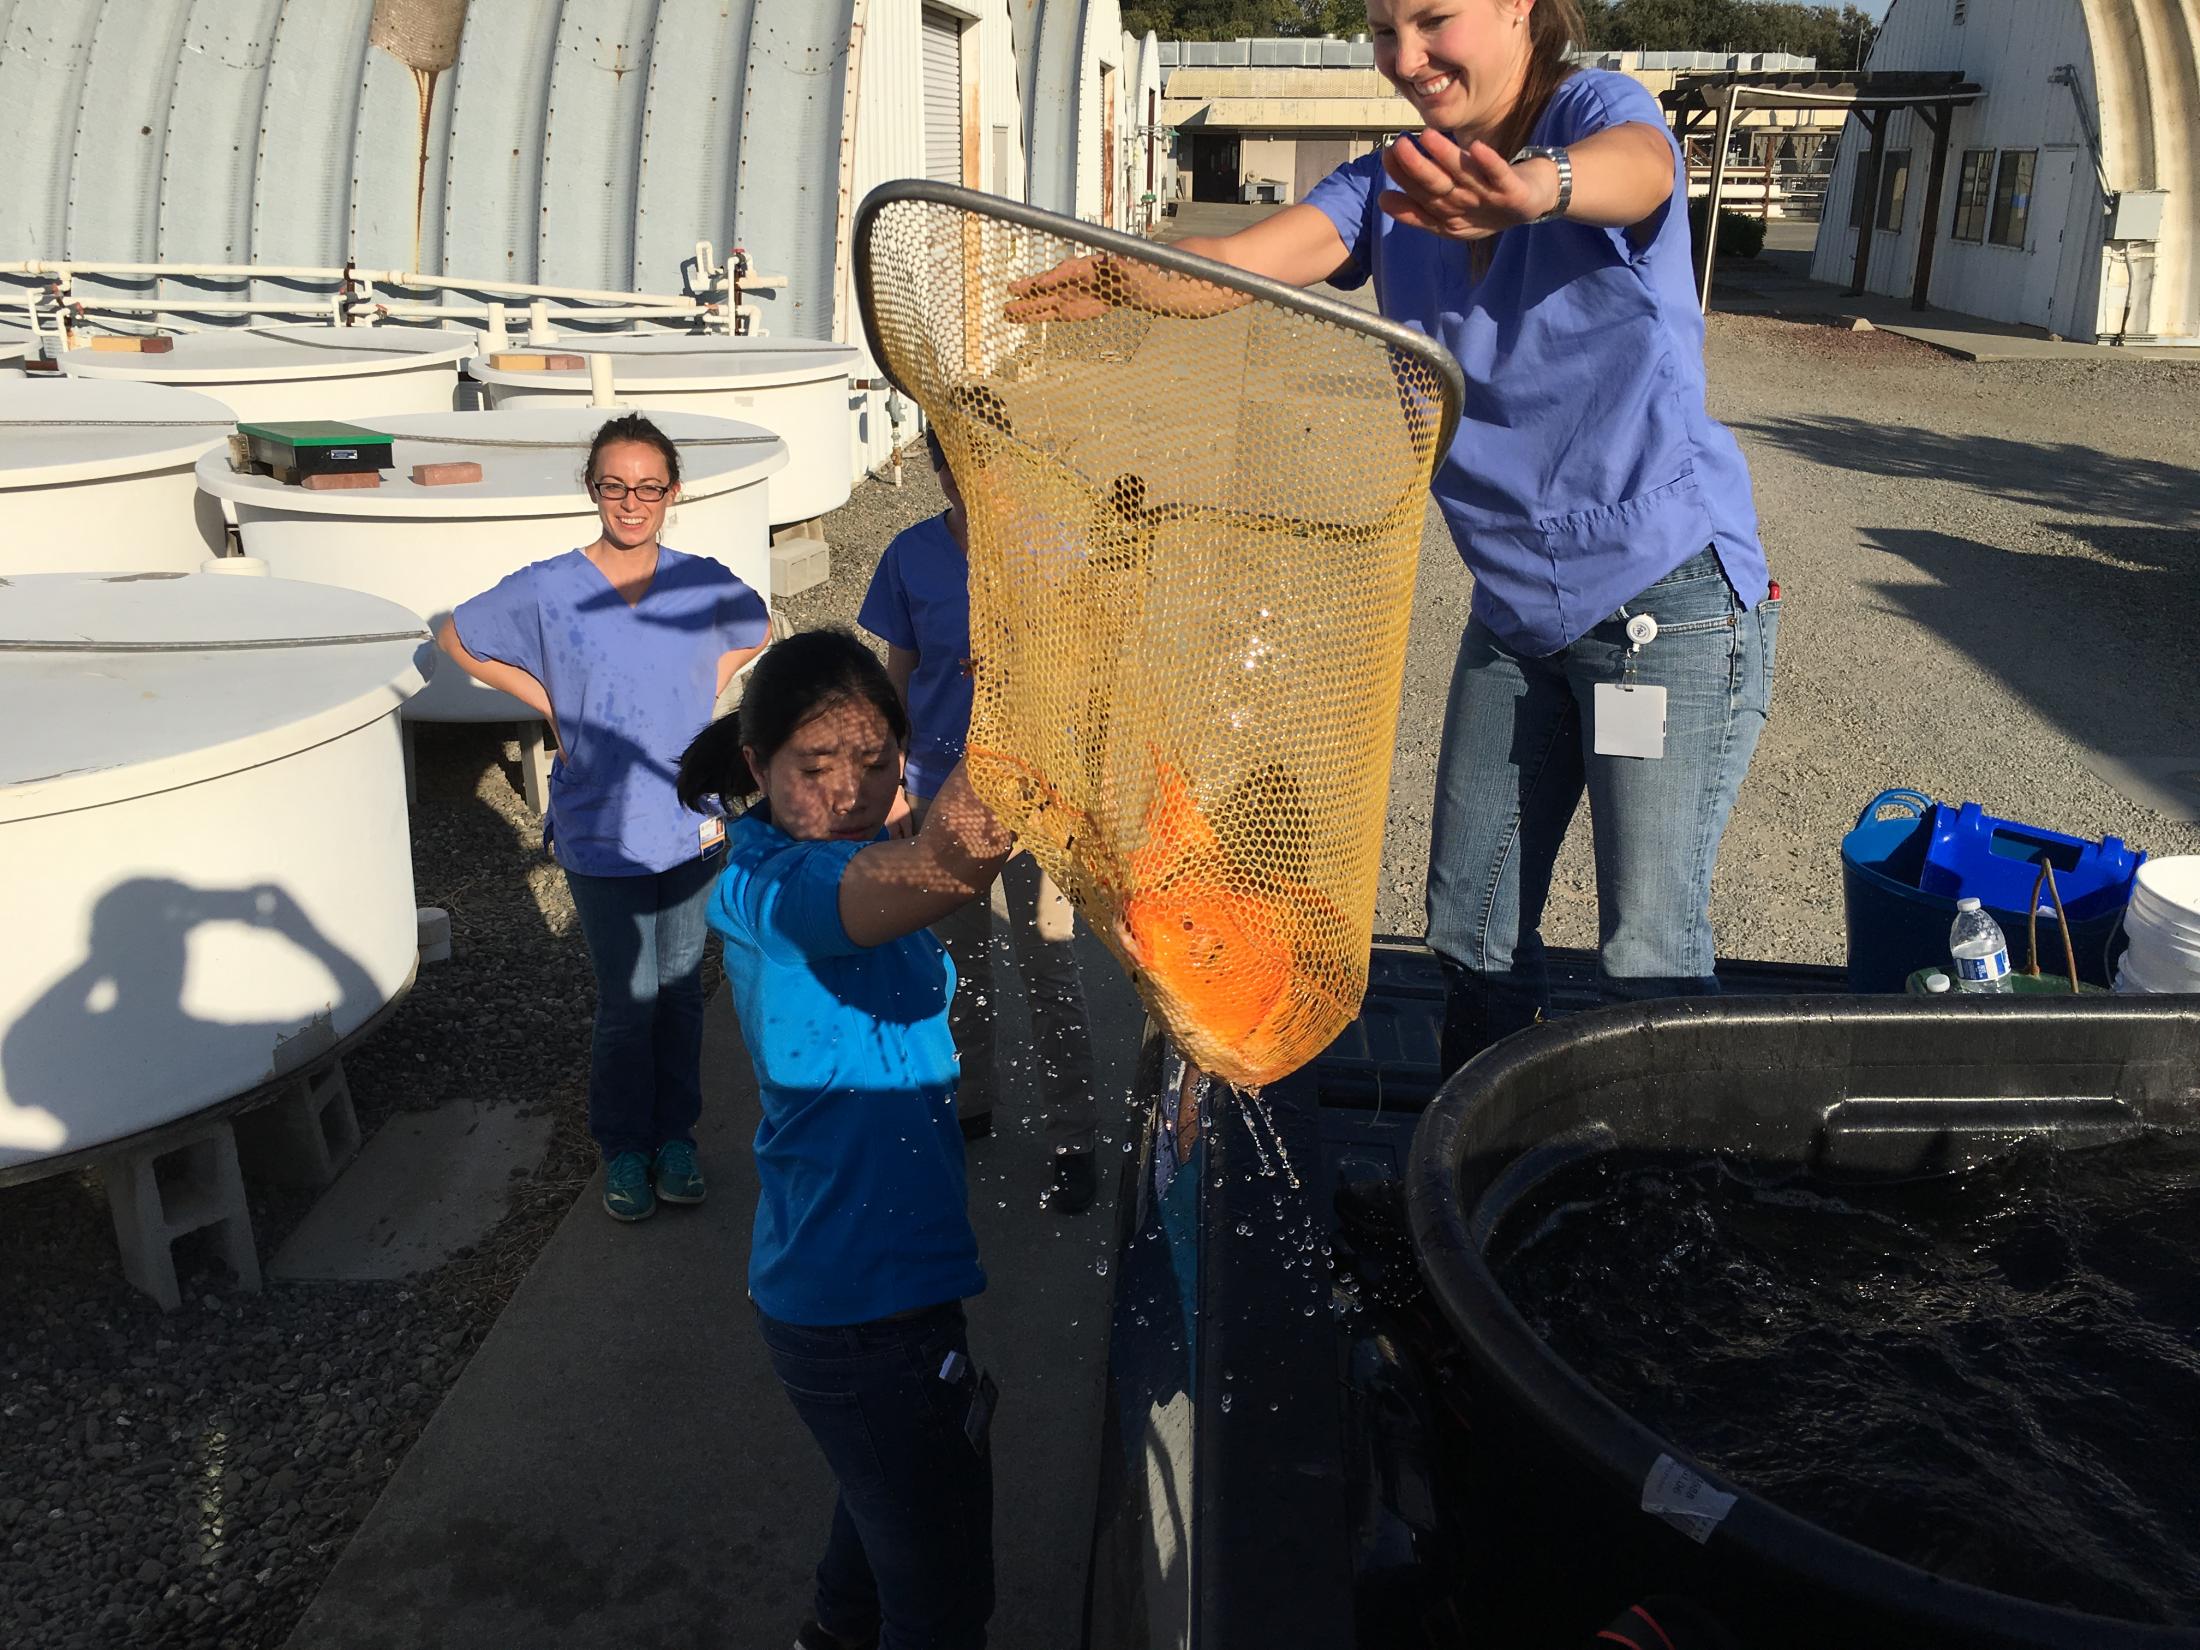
[
  {"x": 1991, "y": 570},
  {"x": 188, "y": 1480}
]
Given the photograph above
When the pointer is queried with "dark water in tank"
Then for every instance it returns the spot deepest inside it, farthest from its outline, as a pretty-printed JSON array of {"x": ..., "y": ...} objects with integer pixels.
[{"x": 1994, "y": 1375}]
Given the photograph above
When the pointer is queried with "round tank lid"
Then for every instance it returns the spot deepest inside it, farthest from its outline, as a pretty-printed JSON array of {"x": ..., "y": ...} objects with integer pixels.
[
  {"x": 674, "y": 364},
  {"x": 265, "y": 355},
  {"x": 530, "y": 460},
  {"x": 81, "y": 430},
  {"x": 144, "y": 682}
]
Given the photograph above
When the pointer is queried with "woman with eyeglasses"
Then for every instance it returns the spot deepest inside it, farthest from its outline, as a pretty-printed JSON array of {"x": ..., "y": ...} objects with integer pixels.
[{"x": 623, "y": 647}]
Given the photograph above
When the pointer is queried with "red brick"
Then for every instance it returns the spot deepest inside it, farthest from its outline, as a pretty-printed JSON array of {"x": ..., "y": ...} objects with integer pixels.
[{"x": 445, "y": 475}]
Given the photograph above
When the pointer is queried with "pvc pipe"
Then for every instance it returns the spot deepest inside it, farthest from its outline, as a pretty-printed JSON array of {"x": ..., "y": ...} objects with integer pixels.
[
  {"x": 377, "y": 277},
  {"x": 497, "y": 337},
  {"x": 245, "y": 306},
  {"x": 539, "y": 330},
  {"x": 601, "y": 392}
]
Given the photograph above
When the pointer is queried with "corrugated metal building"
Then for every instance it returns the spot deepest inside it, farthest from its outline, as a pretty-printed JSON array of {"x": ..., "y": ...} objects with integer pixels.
[
  {"x": 2071, "y": 194},
  {"x": 583, "y": 143}
]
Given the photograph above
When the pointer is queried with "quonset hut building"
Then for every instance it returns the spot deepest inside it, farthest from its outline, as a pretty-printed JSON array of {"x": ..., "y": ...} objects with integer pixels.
[
  {"x": 2069, "y": 197},
  {"x": 580, "y": 144}
]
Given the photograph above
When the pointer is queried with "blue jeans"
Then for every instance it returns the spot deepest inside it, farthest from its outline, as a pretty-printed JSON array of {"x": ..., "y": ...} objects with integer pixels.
[
  {"x": 1518, "y": 754},
  {"x": 645, "y": 1062},
  {"x": 910, "y": 1555}
]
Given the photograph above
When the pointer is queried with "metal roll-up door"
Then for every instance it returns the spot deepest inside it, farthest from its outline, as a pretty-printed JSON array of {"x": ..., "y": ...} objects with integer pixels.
[{"x": 943, "y": 79}]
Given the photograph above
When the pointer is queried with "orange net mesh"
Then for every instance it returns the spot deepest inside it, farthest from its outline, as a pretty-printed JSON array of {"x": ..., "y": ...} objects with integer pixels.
[{"x": 1194, "y": 519}]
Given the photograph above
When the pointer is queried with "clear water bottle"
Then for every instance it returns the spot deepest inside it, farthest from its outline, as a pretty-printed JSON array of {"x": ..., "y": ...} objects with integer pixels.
[{"x": 1980, "y": 953}]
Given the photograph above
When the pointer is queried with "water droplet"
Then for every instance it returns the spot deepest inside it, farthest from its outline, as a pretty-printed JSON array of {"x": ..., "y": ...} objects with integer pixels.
[
  {"x": 1101, "y": 1266},
  {"x": 1225, "y": 1403}
]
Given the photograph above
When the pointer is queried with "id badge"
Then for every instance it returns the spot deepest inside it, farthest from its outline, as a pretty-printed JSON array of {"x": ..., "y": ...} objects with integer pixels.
[
  {"x": 713, "y": 832},
  {"x": 1630, "y": 720}
]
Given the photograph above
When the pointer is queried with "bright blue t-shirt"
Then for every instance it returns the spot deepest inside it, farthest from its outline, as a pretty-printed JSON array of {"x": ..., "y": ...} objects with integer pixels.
[
  {"x": 920, "y": 599},
  {"x": 630, "y": 686},
  {"x": 1586, "y": 467},
  {"x": 862, "y": 1210}
]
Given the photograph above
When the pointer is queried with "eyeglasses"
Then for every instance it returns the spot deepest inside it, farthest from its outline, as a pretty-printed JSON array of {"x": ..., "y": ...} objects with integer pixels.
[{"x": 649, "y": 492}]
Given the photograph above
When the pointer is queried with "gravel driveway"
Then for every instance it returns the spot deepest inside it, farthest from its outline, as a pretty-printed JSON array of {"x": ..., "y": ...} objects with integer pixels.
[{"x": 1991, "y": 571}]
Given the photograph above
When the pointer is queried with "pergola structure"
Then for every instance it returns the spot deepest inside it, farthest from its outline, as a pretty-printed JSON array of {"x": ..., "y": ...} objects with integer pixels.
[{"x": 1869, "y": 94}]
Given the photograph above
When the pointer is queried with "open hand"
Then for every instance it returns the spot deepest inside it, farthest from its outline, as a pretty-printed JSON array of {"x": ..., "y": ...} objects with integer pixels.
[
  {"x": 1076, "y": 289},
  {"x": 1465, "y": 194}
]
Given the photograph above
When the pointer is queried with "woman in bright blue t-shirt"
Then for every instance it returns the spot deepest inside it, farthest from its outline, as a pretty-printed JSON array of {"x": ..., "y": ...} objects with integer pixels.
[
  {"x": 1621, "y": 639},
  {"x": 624, "y": 647},
  {"x": 863, "y": 1250}
]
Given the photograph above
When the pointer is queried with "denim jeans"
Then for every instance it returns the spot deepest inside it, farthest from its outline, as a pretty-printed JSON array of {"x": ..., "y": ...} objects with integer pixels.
[
  {"x": 910, "y": 1553},
  {"x": 1041, "y": 936},
  {"x": 1517, "y": 757},
  {"x": 645, "y": 1062}
]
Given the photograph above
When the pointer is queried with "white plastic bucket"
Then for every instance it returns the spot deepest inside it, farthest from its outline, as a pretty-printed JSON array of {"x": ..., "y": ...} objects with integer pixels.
[{"x": 2163, "y": 922}]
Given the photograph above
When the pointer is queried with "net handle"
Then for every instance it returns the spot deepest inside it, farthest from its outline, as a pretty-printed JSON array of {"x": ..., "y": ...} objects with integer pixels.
[{"x": 1401, "y": 340}]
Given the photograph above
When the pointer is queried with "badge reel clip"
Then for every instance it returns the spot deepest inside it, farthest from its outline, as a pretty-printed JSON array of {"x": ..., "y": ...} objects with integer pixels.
[{"x": 1630, "y": 719}]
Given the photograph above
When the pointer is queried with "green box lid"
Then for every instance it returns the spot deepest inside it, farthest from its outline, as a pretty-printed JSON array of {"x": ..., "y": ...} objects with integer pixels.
[{"x": 318, "y": 432}]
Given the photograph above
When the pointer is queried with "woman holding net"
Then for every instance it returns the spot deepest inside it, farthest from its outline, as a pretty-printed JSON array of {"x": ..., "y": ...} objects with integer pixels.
[{"x": 1621, "y": 641}]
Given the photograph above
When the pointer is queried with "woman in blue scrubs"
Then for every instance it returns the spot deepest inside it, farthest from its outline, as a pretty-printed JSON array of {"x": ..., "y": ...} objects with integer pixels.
[{"x": 1621, "y": 640}]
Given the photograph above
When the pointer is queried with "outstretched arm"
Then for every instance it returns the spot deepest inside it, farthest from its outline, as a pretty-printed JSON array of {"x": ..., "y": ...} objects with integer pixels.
[{"x": 1298, "y": 246}]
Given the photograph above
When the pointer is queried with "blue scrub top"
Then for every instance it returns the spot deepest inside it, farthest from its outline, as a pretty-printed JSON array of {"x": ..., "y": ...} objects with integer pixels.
[
  {"x": 1586, "y": 467},
  {"x": 919, "y": 599},
  {"x": 862, "y": 1210},
  {"x": 630, "y": 687}
]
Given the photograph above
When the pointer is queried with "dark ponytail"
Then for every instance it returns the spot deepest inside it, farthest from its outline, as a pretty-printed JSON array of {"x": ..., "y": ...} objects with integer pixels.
[
  {"x": 792, "y": 683},
  {"x": 633, "y": 427}
]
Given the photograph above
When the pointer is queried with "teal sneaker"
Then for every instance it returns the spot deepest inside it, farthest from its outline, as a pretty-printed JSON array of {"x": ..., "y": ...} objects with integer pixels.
[
  {"x": 626, "y": 1193},
  {"x": 679, "y": 1176}
]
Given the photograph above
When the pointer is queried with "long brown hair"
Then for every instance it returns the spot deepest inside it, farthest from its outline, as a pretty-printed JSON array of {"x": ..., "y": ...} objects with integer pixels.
[{"x": 1555, "y": 27}]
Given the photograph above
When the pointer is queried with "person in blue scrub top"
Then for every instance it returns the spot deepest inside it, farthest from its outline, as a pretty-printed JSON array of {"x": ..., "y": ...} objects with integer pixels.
[
  {"x": 863, "y": 1251},
  {"x": 624, "y": 646},
  {"x": 919, "y": 606},
  {"x": 1621, "y": 638}
]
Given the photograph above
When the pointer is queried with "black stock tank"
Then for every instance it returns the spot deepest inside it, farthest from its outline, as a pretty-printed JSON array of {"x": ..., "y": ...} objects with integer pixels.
[{"x": 1850, "y": 1322}]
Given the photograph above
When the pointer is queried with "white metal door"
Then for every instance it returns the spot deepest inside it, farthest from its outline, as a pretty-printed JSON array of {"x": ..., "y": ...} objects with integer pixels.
[
  {"x": 2050, "y": 215},
  {"x": 943, "y": 143}
]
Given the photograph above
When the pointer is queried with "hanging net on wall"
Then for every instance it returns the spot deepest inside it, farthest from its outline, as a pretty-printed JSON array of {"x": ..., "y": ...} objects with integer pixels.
[{"x": 1195, "y": 512}]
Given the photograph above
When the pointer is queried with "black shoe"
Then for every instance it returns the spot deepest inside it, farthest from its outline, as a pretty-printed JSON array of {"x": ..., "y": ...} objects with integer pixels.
[
  {"x": 978, "y": 1125},
  {"x": 814, "y": 1637},
  {"x": 1074, "y": 1183}
]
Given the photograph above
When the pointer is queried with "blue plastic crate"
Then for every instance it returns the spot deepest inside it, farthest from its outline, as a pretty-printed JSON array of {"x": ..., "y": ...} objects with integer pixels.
[{"x": 1971, "y": 854}]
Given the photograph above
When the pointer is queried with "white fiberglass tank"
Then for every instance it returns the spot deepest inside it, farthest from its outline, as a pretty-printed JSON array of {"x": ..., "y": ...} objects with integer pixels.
[
  {"x": 98, "y": 477},
  {"x": 269, "y": 374},
  {"x": 202, "y": 815},
  {"x": 432, "y": 547},
  {"x": 794, "y": 387}
]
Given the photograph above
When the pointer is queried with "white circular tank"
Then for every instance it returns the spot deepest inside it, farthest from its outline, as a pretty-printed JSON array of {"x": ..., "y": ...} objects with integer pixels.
[
  {"x": 794, "y": 387},
  {"x": 430, "y": 548},
  {"x": 269, "y": 374},
  {"x": 209, "y": 876},
  {"x": 98, "y": 477}
]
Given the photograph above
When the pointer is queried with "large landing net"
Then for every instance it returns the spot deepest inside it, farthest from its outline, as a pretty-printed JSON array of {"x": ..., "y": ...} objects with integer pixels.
[{"x": 1195, "y": 512}]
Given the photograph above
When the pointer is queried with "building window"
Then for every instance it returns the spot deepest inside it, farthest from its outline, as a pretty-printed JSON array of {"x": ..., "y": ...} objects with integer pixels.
[
  {"x": 1974, "y": 191},
  {"x": 2012, "y": 210},
  {"x": 1894, "y": 189}
]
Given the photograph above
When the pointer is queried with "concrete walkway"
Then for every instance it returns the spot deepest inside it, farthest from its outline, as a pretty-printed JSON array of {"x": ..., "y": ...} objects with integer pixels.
[{"x": 618, "y": 1465}]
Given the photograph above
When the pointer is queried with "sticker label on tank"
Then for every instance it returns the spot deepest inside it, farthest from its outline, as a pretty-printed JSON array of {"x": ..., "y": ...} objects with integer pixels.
[{"x": 1684, "y": 1499}]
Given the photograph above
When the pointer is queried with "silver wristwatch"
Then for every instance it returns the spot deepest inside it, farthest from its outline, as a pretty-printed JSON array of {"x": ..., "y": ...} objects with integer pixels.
[{"x": 1565, "y": 164}]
